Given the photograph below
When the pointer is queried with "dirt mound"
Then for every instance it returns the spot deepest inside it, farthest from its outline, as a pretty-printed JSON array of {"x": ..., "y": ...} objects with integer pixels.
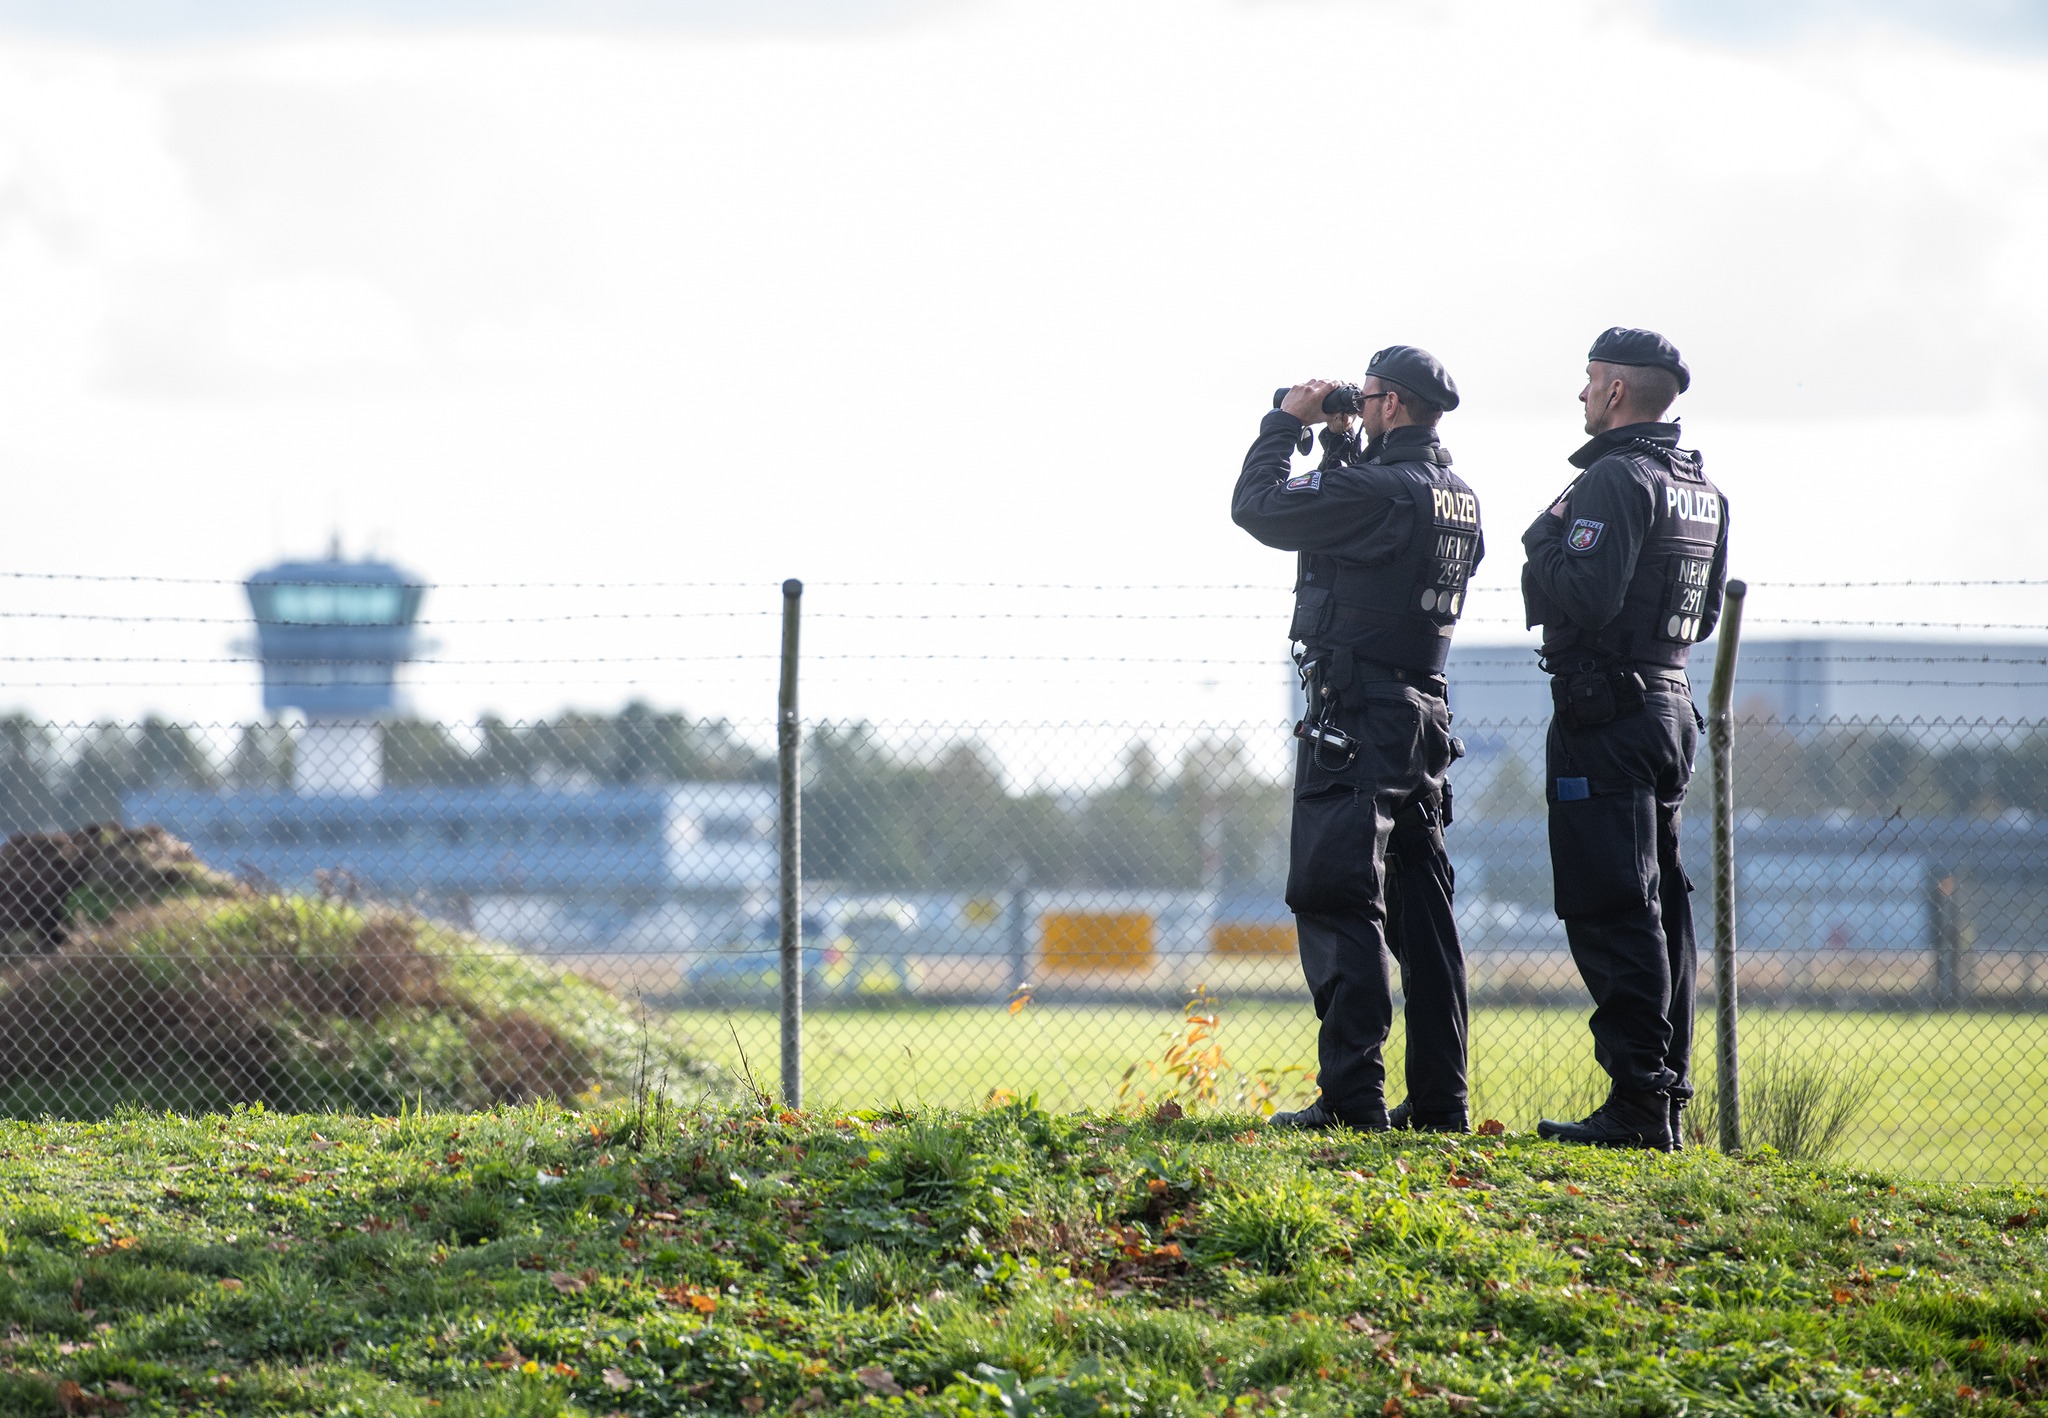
[
  {"x": 297, "y": 1003},
  {"x": 47, "y": 878}
]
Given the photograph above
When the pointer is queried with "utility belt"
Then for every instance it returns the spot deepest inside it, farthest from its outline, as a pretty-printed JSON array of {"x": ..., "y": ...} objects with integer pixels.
[
  {"x": 1589, "y": 694},
  {"x": 1334, "y": 671},
  {"x": 1324, "y": 679}
]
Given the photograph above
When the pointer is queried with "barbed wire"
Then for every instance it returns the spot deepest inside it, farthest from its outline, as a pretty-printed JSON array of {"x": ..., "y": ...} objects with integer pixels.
[
  {"x": 1456, "y": 684},
  {"x": 1275, "y": 661},
  {"x": 1893, "y": 585},
  {"x": 113, "y": 578},
  {"x": 1825, "y": 622}
]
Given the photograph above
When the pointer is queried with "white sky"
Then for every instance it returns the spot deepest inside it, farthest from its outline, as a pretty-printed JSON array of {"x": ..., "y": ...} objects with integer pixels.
[{"x": 985, "y": 293}]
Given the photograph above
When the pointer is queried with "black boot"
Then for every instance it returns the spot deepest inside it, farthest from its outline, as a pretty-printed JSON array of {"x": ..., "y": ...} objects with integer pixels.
[
  {"x": 1678, "y": 1122},
  {"x": 1627, "y": 1119},
  {"x": 1401, "y": 1117},
  {"x": 1317, "y": 1117}
]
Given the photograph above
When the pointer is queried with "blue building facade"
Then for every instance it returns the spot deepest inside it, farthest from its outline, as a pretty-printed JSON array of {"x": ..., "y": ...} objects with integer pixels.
[{"x": 544, "y": 867}]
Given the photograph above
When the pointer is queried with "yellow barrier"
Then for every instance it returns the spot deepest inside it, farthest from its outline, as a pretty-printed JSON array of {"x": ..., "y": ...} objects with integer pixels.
[
  {"x": 1252, "y": 938},
  {"x": 1079, "y": 941}
]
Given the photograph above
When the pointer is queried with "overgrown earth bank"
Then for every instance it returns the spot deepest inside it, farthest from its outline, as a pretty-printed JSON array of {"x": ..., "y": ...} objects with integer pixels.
[
  {"x": 130, "y": 971},
  {"x": 538, "y": 1260}
]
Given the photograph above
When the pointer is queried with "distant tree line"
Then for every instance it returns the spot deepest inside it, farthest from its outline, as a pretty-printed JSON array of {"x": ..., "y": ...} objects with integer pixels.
[
  {"x": 940, "y": 814},
  {"x": 877, "y": 813}
]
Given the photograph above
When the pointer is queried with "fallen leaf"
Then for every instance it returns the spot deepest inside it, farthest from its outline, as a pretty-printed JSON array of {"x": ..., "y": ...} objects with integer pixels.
[
  {"x": 753, "y": 1403},
  {"x": 321, "y": 1144},
  {"x": 877, "y": 1379},
  {"x": 566, "y": 1283},
  {"x": 1492, "y": 1127},
  {"x": 1458, "y": 1402},
  {"x": 1157, "y": 1186},
  {"x": 1401, "y": 1166},
  {"x": 814, "y": 1399},
  {"x": 689, "y": 1296},
  {"x": 1358, "y": 1323},
  {"x": 121, "y": 1390},
  {"x": 616, "y": 1380},
  {"x": 1168, "y": 1112},
  {"x": 231, "y": 1284},
  {"x": 1392, "y": 1407},
  {"x": 1855, "y": 1225},
  {"x": 1575, "y": 1191},
  {"x": 1842, "y": 1297}
]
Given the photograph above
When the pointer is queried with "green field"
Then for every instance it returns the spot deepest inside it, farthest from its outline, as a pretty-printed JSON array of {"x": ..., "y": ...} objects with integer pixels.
[
  {"x": 540, "y": 1262},
  {"x": 1955, "y": 1097}
]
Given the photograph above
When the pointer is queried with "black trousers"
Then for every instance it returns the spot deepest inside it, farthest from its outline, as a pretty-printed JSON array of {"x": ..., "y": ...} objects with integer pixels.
[
  {"x": 1615, "y": 793},
  {"x": 1368, "y": 834}
]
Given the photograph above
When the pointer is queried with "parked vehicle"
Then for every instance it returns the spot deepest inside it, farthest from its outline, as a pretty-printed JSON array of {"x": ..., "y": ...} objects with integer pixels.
[{"x": 851, "y": 949}]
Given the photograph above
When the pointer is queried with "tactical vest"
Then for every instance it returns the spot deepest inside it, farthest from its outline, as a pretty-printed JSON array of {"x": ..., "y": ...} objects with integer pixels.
[
  {"x": 1401, "y": 613},
  {"x": 1669, "y": 592}
]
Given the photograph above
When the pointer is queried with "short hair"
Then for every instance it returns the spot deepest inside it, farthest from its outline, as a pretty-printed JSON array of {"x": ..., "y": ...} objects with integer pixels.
[
  {"x": 1420, "y": 410},
  {"x": 1647, "y": 389}
]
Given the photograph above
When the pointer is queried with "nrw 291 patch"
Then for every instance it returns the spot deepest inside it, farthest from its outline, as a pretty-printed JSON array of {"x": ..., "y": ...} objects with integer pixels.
[
  {"x": 1584, "y": 535},
  {"x": 1306, "y": 482}
]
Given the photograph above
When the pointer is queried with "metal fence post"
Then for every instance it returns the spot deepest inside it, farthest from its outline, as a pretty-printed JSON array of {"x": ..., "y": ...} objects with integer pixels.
[
  {"x": 789, "y": 743},
  {"x": 1721, "y": 743},
  {"x": 1945, "y": 936},
  {"x": 1019, "y": 926}
]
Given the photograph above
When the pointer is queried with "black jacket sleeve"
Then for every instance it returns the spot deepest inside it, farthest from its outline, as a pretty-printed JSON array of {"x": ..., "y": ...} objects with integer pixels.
[
  {"x": 1611, "y": 506},
  {"x": 1347, "y": 510}
]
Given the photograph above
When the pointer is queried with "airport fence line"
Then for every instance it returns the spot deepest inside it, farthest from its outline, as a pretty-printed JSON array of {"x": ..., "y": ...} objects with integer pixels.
[{"x": 586, "y": 907}]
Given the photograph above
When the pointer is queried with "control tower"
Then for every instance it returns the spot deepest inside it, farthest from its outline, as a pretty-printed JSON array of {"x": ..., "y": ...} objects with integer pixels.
[{"x": 331, "y": 635}]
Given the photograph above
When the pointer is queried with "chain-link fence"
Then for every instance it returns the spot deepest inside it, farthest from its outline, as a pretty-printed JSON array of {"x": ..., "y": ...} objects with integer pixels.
[{"x": 585, "y": 907}]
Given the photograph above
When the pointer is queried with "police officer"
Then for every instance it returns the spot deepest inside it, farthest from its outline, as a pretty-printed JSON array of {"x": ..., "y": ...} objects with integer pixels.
[
  {"x": 1624, "y": 574},
  {"x": 1388, "y": 537}
]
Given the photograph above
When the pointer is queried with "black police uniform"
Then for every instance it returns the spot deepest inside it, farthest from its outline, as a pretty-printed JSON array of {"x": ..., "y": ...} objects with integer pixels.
[
  {"x": 1623, "y": 584},
  {"x": 1387, "y": 546}
]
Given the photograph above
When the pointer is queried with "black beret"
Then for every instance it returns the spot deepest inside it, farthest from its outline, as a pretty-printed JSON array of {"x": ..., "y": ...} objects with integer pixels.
[
  {"x": 1621, "y": 345},
  {"x": 1417, "y": 371}
]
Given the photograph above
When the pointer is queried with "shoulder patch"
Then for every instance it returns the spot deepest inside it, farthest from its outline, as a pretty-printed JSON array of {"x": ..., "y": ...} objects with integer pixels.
[
  {"x": 1305, "y": 482},
  {"x": 1584, "y": 535}
]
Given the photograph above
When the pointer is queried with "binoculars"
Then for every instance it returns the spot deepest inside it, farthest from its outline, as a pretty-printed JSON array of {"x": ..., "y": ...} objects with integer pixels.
[{"x": 1344, "y": 399}]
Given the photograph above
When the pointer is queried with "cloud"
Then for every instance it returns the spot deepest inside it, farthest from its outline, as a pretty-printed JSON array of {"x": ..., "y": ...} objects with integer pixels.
[
  {"x": 1992, "y": 24},
  {"x": 128, "y": 20}
]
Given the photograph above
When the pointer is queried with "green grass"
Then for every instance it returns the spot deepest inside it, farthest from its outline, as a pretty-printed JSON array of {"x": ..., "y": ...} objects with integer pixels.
[
  {"x": 1954, "y": 1096},
  {"x": 541, "y": 1261}
]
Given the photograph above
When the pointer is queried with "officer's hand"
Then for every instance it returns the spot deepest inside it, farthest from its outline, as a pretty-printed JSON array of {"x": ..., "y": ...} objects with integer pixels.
[{"x": 1305, "y": 401}]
